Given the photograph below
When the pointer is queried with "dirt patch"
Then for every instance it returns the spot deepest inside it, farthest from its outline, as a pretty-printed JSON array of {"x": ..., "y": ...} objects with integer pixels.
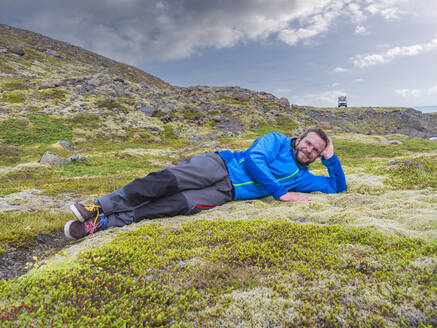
[{"x": 15, "y": 262}]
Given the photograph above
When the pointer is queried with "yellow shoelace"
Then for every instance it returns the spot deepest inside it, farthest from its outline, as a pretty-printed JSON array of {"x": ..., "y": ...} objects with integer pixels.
[{"x": 91, "y": 208}]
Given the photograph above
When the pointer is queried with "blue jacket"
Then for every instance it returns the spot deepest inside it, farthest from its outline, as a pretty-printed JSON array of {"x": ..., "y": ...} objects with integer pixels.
[{"x": 269, "y": 167}]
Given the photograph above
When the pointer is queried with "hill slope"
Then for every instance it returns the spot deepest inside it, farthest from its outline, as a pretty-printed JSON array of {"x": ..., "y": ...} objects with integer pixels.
[{"x": 42, "y": 75}]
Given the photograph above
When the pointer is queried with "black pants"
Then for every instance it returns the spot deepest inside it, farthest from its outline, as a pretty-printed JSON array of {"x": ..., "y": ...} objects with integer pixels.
[{"x": 200, "y": 182}]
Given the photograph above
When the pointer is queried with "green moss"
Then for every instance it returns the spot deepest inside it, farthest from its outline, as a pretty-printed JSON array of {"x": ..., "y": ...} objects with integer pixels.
[
  {"x": 192, "y": 276},
  {"x": 111, "y": 104},
  {"x": 171, "y": 136},
  {"x": 14, "y": 97},
  {"x": 15, "y": 85},
  {"x": 354, "y": 149},
  {"x": 18, "y": 230},
  {"x": 85, "y": 121},
  {"x": 55, "y": 95},
  {"x": 411, "y": 177},
  {"x": 36, "y": 129},
  {"x": 5, "y": 68},
  {"x": 9, "y": 154},
  {"x": 191, "y": 115}
]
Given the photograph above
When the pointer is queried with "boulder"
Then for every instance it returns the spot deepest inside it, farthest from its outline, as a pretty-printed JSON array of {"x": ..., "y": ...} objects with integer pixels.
[
  {"x": 284, "y": 102},
  {"x": 76, "y": 158},
  {"x": 242, "y": 96},
  {"x": 148, "y": 110},
  {"x": 54, "y": 53},
  {"x": 65, "y": 144},
  {"x": 263, "y": 97},
  {"x": 406, "y": 163},
  {"x": 50, "y": 84},
  {"x": 324, "y": 125},
  {"x": 53, "y": 160},
  {"x": 394, "y": 142},
  {"x": 19, "y": 50},
  {"x": 95, "y": 82}
]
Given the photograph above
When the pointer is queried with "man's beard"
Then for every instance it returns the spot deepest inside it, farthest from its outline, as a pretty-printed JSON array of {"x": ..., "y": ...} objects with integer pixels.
[{"x": 300, "y": 160}]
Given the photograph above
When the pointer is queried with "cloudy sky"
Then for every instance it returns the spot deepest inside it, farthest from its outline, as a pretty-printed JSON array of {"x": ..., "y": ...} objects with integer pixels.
[{"x": 377, "y": 52}]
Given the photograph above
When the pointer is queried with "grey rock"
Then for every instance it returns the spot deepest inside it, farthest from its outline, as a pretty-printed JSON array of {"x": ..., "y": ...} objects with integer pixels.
[
  {"x": 167, "y": 110},
  {"x": 119, "y": 91},
  {"x": 395, "y": 142},
  {"x": 53, "y": 160},
  {"x": 148, "y": 110},
  {"x": 154, "y": 130},
  {"x": 97, "y": 75},
  {"x": 284, "y": 102},
  {"x": 3, "y": 50},
  {"x": 242, "y": 96},
  {"x": 19, "y": 50},
  {"x": 433, "y": 138},
  {"x": 65, "y": 144},
  {"x": 94, "y": 82},
  {"x": 50, "y": 84},
  {"x": 406, "y": 163},
  {"x": 230, "y": 124},
  {"x": 54, "y": 53},
  {"x": 76, "y": 158},
  {"x": 324, "y": 125}
]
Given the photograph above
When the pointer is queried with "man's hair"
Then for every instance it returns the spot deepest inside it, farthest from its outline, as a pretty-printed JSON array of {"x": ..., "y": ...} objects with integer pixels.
[{"x": 319, "y": 132}]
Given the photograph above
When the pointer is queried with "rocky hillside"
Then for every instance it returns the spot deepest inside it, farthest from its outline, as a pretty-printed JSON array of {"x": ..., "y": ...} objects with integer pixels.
[
  {"x": 75, "y": 126},
  {"x": 39, "y": 75}
]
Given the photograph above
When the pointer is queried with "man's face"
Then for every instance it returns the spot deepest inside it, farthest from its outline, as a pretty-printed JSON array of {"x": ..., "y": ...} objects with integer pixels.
[{"x": 309, "y": 148}]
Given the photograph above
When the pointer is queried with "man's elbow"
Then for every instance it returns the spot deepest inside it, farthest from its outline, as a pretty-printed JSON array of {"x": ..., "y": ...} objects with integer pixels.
[
  {"x": 341, "y": 188},
  {"x": 336, "y": 189}
]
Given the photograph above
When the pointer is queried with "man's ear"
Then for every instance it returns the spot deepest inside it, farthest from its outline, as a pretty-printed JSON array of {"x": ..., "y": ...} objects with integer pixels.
[{"x": 297, "y": 140}]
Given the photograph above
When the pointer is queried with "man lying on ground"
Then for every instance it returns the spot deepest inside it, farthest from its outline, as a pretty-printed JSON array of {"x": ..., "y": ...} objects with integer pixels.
[{"x": 273, "y": 165}]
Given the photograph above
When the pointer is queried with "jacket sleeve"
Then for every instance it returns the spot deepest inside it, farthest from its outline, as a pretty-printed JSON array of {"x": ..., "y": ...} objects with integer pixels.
[
  {"x": 335, "y": 183},
  {"x": 264, "y": 151}
]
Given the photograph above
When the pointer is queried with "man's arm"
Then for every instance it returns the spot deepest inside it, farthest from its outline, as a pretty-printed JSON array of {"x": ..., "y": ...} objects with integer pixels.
[{"x": 256, "y": 162}]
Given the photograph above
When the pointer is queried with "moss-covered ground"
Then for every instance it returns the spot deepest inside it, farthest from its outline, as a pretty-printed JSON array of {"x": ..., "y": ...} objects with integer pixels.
[
  {"x": 224, "y": 273},
  {"x": 364, "y": 258}
]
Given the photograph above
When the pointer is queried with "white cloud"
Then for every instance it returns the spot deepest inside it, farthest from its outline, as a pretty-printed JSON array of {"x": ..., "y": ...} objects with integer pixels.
[
  {"x": 359, "y": 80},
  {"x": 416, "y": 93},
  {"x": 284, "y": 90},
  {"x": 433, "y": 89},
  {"x": 134, "y": 31},
  {"x": 339, "y": 70},
  {"x": 386, "y": 9},
  {"x": 389, "y": 55},
  {"x": 360, "y": 29},
  {"x": 409, "y": 93},
  {"x": 323, "y": 99}
]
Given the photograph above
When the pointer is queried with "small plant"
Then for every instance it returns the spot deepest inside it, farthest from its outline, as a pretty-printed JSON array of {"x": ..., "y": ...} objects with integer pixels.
[
  {"x": 15, "y": 85},
  {"x": 55, "y": 95},
  {"x": 14, "y": 97},
  {"x": 37, "y": 128}
]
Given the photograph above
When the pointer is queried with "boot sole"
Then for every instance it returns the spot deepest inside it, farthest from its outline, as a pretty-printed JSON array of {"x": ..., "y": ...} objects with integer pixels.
[
  {"x": 67, "y": 230},
  {"x": 77, "y": 213}
]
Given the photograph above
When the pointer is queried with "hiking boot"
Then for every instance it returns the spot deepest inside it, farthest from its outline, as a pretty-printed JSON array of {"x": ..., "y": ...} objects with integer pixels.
[
  {"x": 85, "y": 212},
  {"x": 76, "y": 229}
]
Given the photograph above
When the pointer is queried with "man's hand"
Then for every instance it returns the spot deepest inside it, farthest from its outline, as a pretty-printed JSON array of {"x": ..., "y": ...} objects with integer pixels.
[
  {"x": 329, "y": 150},
  {"x": 290, "y": 197}
]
